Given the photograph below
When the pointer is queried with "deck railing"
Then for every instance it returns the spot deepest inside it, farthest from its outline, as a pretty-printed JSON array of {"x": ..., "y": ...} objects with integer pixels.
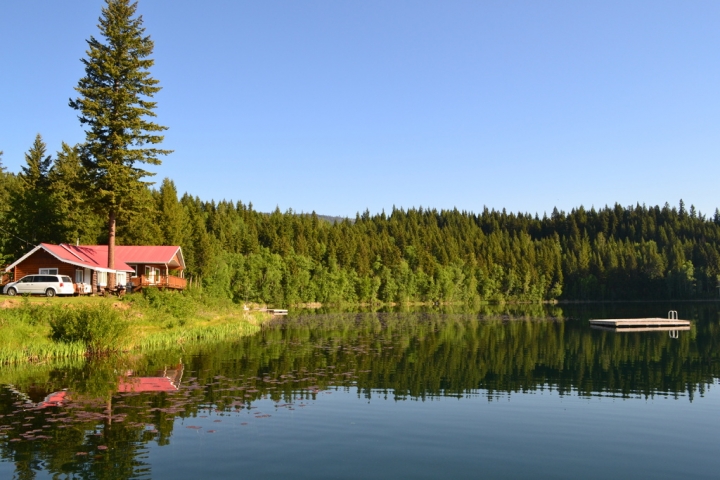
[{"x": 161, "y": 281}]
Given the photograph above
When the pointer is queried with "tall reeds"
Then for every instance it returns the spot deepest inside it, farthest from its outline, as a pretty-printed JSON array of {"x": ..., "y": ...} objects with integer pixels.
[{"x": 207, "y": 334}]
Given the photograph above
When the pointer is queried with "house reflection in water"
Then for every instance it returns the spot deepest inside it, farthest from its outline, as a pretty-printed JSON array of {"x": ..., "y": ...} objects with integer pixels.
[{"x": 166, "y": 380}]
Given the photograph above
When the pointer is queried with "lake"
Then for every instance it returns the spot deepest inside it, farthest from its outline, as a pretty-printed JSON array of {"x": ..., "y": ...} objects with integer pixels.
[{"x": 503, "y": 392}]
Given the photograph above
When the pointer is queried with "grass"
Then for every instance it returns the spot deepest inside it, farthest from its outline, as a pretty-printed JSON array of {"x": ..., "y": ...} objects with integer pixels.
[{"x": 39, "y": 329}]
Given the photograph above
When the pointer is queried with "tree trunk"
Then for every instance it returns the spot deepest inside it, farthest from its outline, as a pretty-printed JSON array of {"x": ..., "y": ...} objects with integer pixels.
[{"x": 111, "y": 250}]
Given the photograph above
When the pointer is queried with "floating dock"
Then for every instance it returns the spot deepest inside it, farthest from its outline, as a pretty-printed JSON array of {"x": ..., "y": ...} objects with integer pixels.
[{"x": 642, "y": 324}]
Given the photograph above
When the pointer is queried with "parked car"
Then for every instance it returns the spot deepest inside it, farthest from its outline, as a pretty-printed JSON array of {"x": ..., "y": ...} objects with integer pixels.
[{"x": 48, "y": 285}]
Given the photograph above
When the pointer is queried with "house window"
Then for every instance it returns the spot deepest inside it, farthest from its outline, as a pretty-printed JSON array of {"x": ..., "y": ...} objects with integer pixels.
[
  {"x": 121, "y": 278},
  {"x": 102, "y": 279},
  {"x": 134, "y": 272},
  {"x": 48, "y": 271},
  {"x": 79, "y": 276}
]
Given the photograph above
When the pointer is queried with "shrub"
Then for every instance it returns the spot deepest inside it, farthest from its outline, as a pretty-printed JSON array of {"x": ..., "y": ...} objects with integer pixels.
[
  {"x": 177, "y": 305},
  {"x": 100, "y": 327}
]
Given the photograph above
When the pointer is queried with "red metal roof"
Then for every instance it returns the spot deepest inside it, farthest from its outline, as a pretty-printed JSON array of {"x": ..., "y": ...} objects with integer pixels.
[
  {"x": 95, "y": 256},
  {"x": 144, "y": 254}
]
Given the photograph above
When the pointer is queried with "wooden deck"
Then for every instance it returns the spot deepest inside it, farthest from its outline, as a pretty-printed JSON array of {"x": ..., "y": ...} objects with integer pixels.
[{"x": 159, "y": 281}]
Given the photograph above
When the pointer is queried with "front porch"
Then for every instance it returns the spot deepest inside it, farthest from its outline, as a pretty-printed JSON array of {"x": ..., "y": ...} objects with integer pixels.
[{"x": 158, "y": 281}]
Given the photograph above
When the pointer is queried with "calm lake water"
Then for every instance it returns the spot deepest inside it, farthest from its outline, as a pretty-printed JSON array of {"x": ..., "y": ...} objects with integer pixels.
[{"x": 529, "y": 392}]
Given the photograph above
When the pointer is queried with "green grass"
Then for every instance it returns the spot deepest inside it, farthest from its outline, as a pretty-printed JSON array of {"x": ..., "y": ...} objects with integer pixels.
[{"x": 39, "y": 329}]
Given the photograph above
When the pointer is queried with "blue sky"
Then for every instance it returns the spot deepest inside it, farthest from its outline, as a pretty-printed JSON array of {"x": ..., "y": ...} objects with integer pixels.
[{"x": 339, "y": 106}]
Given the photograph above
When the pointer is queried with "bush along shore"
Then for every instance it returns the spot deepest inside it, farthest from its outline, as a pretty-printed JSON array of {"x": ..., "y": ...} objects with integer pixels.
[{"x": 36, "y": 330}]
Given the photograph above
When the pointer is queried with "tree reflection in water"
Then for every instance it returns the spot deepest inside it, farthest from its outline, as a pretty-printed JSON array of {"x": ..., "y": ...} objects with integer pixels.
[{"x": 94, "y": 419}]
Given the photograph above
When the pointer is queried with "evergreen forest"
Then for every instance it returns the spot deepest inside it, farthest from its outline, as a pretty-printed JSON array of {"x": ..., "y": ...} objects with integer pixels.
[{"x": 415, "y": 255}]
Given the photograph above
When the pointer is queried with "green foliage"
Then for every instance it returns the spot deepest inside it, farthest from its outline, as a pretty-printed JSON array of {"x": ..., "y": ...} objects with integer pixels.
[
  {"x": 74, "y": 217},
  {"x": 450, "y": 256},
  {"x": 99, "y": 327},
  {"x": 45, "y": 202},
  {"x": 6, "y": 180},
  {"x": 171, "y": 215},
  {"x": 178, "y": 306},
  {"x": 24, "y": 334},
  {"x": 30, "y": 313},
  {"x": 31, "y": 213}
]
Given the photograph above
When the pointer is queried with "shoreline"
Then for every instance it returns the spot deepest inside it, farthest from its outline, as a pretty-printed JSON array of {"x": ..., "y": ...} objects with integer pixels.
[{"x": 30, "y": 326}]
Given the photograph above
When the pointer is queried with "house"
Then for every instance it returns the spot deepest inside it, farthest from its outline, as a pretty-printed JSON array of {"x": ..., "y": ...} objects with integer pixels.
[{"x": 87, "y": 265}]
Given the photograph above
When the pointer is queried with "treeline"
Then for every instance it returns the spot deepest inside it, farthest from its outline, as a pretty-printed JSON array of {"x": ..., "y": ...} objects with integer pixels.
[{"x": 416, "y": 255}]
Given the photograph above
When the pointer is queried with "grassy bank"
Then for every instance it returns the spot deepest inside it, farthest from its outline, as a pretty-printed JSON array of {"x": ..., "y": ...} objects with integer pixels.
[{"x": 40, "y": 329}]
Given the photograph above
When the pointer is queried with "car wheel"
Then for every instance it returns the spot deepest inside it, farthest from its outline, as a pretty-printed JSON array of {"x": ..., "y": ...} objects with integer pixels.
[
  {"x": 12, "y": 292},
  {"x": 49, "y": 292}
]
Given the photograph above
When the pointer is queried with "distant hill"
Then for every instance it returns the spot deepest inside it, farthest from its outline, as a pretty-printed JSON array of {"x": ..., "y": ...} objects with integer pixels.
[
  {"x": 327, "y": 218},
  {"x": 334, "y": 220}
]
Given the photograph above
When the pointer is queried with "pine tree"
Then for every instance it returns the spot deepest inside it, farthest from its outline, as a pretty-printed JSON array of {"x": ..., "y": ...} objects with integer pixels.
[
  {"x": 114, "y": 106},
  {"x": 31, "y": 211}
]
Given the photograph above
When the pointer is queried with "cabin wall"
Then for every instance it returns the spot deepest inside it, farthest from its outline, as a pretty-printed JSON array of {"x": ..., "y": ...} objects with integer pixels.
[{"x": 42, "y": 259}]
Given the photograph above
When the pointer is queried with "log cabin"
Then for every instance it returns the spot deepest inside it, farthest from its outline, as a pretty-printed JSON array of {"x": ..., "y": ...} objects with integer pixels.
[{"x": 136, "y": 267}]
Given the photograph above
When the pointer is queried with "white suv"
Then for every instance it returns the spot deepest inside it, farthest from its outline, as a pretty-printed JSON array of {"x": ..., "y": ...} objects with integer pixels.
[{"x": 48, "y": 285}]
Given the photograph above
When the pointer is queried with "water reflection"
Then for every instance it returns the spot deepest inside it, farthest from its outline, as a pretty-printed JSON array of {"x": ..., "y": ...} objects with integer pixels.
[{"x": 96, "y": 419}]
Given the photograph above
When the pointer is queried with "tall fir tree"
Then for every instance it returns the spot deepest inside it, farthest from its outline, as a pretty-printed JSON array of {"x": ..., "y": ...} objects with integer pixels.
[
  {"x": 31, "y": 210},
  {"x": 115, "y": 107}
]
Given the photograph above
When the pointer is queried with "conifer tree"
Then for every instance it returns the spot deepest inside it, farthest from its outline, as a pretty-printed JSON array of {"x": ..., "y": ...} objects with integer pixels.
[
  {"x": 5, "y": 180},
  {"x": 75, "y": 221},
  {"x": 172, "y": 214},
  {"x": 31, "y": 212},
  {"x": 114, "y": 106},
  {"x": 37, "y": 165}
]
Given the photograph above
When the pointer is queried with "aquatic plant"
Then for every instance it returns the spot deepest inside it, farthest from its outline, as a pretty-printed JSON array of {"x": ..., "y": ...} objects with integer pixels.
[{"x": 206, "y": 334}]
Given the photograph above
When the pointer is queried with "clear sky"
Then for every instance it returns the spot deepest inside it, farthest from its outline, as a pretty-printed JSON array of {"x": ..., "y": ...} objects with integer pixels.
[{"x": 341, "y": 106}]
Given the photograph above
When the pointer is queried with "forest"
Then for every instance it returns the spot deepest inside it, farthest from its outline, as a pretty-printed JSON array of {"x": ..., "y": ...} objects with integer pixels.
[{"x": 414, "y": 255}]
